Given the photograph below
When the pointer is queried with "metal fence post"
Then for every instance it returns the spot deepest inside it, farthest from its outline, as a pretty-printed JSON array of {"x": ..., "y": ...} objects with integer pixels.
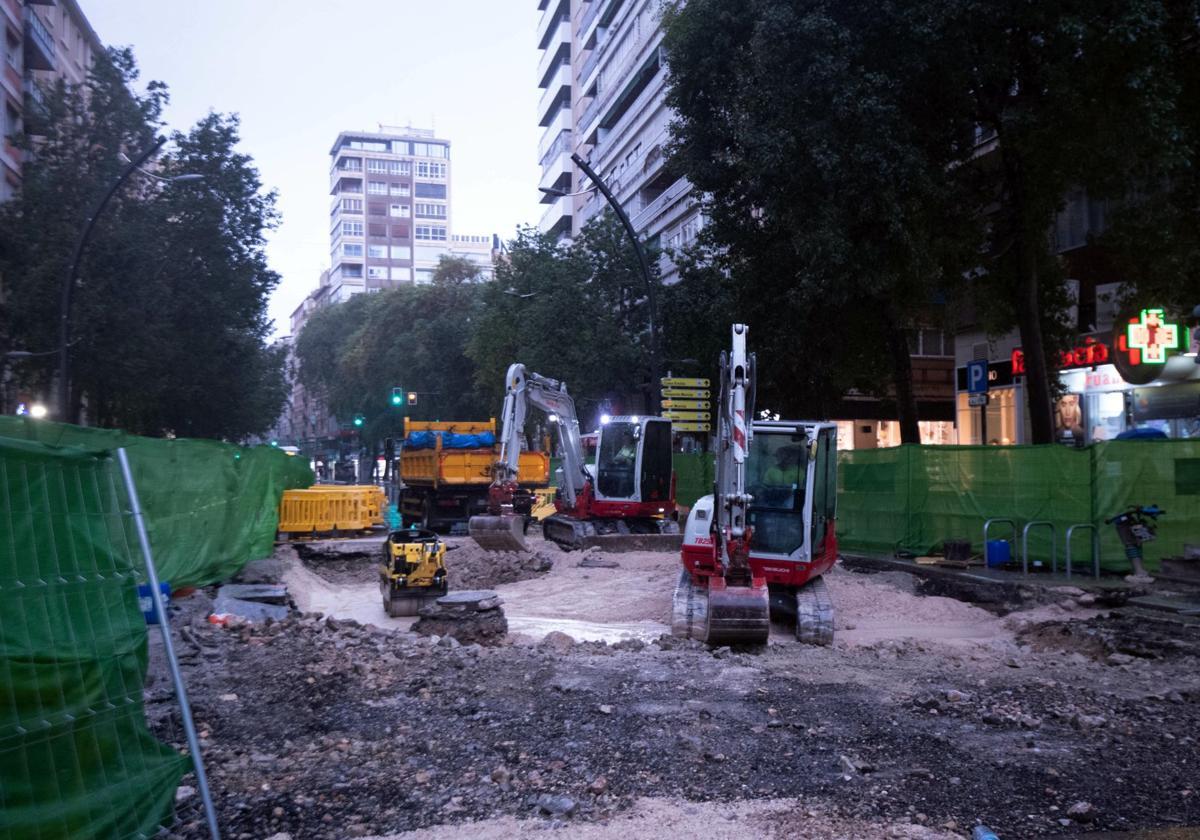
[{"x": 176, "y": 677}]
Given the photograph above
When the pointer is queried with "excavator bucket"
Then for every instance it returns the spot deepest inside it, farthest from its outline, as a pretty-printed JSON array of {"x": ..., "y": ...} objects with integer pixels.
[
  {"x": 738, "y": 615},
  {"x": 505, "y": 532}
]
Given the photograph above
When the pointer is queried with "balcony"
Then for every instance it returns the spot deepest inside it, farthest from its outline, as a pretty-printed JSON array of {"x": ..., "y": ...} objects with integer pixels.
[
  {"x": 634, "y": 98},
  {"x": 558, "y": 53},
  {"x": 39, "y": 44},
  {"x": 559, "y": 12},
  {"x": 557, "y": 175},
  {"x": 343, "y": 184},
  {"x": 589, "y": 66},
  {"x": 562, "y": 145},
  {"x": 643, "y": 220},
  {"x": 555, "y": 96},
  {"x": 556, "y": 221},
  {"x": 560, "y": 123}
]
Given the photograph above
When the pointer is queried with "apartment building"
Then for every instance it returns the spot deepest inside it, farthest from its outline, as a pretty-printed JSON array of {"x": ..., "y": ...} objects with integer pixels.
[
  {"x": 44, "y": 41},
  {"x": 390, "y": 218},
  {"x": 602, "y": 81}
]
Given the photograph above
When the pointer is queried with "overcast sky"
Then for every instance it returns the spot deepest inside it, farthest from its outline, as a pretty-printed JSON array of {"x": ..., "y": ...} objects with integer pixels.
[{"x": 300, "y": 71}]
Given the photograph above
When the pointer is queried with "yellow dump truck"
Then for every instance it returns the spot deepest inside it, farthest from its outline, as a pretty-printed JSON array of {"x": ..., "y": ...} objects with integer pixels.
[{"x": 446, "y": 468}]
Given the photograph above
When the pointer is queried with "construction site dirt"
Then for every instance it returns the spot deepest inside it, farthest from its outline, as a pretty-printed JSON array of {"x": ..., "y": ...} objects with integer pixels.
[{"x": 927, "y": 717}]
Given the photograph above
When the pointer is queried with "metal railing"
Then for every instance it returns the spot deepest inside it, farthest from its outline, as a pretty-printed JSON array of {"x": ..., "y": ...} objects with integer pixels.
[
  {"x": 561, "y": 144},
  {"x": 1095, "y": 547},
  {"x": 1025, "y": 543}
]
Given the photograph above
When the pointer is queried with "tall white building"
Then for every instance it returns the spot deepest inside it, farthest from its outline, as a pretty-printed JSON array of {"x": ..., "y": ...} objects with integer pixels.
[{"x": 602, "y": 82}]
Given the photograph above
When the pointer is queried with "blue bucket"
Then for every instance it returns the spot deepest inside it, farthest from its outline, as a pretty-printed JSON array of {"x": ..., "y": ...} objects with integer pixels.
[
  {"x": 146, "y": 603},
  {"x": 999, "y": 553}
]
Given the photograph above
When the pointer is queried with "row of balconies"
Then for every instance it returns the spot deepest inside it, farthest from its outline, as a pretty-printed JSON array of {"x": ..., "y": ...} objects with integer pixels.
[{"x": 39, "y": 44}]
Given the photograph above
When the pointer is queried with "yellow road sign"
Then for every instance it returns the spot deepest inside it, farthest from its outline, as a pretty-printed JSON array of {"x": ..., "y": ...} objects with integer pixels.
[
  {"x": 692, "y": 404},
  {"x": 690, "y": 427},
  {"x": 686, "y": 393},
  {"x": 686, "y": 415},
  {"x": 681, "y": 382}
]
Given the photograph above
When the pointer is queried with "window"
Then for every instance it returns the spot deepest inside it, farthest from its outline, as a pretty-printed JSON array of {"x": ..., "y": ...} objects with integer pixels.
[
  {"x": 401, "y": 252},
  {"x": 376, "y": 272},
  {"x": 350, "y": 249},
  {"x": 13, "y": 51},
  {"x": 430, "y": 169},
  {"x": 379, "y": 230},
  {"x": 401, "y": 147},
  {"x": 352, "y": 228},
  {"x": 400, "y": 189},
  {"x": 389, "y": 167},
  {"x": 377, "y": 187},
  {"x": 927, "y": 342},
  {"x": 399, "y": 210},
  {"x": 432, "y": 233},
  {"x": 351, "y": 205},
  {"x": 424, "y": 275},
  {"x": 431, "y": 211},
  {"x": 366, "y": 145},
  {"x": 350, "y": 164},
  {"x": 376, "y": 208},
  {"x": 431, "y": 191},
  {"x": 351, "y": 270},
  {"x": 377, "y": 252},
  {"x": 400, "y": 231}
]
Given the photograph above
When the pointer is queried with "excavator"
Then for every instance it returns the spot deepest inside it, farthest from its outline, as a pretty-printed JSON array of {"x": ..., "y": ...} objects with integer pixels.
[
  {"x": 626, "y": 501},
  {"x": 765, "y": 537}
]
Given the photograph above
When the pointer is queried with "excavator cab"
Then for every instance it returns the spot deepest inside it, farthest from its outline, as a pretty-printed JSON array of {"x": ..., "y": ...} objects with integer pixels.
[{"x": 633, "y": 461}]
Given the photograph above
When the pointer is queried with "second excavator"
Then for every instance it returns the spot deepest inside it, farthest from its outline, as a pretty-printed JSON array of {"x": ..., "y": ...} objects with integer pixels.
[{"x": 625, "y": 501}]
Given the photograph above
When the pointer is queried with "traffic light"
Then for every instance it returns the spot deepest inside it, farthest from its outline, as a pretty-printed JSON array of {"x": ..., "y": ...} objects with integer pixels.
[
  {"x": 412, "y": 397},
  {"x": 359, "y": 420},
  {"x": 397, "y": 396}
]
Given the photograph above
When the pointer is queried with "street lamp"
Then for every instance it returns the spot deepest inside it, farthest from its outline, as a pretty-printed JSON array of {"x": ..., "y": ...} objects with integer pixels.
[
  {"x": 64, "y": 309},
  {"x": 651, "y": 299}
]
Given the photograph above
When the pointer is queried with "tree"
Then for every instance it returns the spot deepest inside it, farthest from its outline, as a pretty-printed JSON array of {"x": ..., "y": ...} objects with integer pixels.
[
  {"x": 573, "y": 313},
  {"x": 169, "y": 319},
  {"x": 824, "y": 194},
  {"x": 1079, "y": 94},
  {"x": 413, "y": 337},
  {"x": 454, "y": 271}
]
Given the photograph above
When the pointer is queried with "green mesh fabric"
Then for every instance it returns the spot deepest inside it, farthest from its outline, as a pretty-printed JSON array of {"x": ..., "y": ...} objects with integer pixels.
[
  {"x": 912, "y": 498},
  {"x": 76, "y": 758},
  {"x": 210, "y": 506}
]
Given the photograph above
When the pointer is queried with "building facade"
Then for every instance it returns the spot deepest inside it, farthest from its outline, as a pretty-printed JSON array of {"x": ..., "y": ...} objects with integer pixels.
[
  {"x": 602, "y": 83},
  {"x": 44, "y": 41}
]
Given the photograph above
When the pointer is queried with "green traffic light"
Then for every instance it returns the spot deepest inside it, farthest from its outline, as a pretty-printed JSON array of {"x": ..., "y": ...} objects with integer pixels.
[
  {"x": 358, "y": 420},
  {"x": 397, "y": 399}
]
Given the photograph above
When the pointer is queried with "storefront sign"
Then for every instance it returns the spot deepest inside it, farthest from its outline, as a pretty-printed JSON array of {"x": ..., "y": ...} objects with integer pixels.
[
  {"x": 1089, "y": 354},
  {"x": 1142, "y": 343},
  {"x": 999, "y": 375}
]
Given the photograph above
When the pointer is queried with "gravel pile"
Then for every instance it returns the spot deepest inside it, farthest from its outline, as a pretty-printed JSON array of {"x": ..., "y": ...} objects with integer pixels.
[{"x": 471, "y": 567}]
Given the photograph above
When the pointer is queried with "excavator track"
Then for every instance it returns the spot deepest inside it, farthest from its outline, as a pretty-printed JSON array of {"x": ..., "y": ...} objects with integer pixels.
[
  {"x": 814, "y": 614},
  {"x": 689, "y": 609}
]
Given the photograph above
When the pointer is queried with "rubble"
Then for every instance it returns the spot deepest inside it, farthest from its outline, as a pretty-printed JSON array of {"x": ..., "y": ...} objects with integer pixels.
[{"x": 468, "y": 617}]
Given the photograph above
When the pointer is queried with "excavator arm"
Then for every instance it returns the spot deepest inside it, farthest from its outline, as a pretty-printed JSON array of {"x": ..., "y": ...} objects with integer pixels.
[{"x": 502, "y": 529}]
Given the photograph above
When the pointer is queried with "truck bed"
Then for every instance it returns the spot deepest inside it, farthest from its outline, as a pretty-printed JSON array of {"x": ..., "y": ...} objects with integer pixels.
[{"x": 466, "y": 467}]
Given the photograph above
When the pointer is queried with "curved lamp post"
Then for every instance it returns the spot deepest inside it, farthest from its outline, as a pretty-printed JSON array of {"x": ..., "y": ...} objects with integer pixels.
[
  {"x": 68, "y": 288},
  {"x": 651, "y": 298}
]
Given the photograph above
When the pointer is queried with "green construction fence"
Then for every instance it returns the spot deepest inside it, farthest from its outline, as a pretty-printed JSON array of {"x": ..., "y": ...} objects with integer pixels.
[
  {"x": 913, "y": 498},
  {"x": 209, "y": 506},
  {"x": 76, "y": 756}
]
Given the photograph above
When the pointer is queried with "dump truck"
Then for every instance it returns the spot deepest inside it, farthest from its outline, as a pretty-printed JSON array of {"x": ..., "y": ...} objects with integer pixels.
[{"x": 445, "y": 470}]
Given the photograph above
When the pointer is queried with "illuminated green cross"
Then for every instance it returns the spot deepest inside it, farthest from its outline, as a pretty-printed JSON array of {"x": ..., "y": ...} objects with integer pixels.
[{"x": 1153, "y": 336}]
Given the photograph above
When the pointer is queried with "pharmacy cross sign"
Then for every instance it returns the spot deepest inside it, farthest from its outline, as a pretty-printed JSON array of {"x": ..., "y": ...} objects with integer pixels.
[{"x": 1151, "y": 337}]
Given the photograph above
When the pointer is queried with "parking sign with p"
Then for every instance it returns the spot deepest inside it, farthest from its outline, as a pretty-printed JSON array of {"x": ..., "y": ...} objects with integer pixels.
[{"x": 977, "y": 376}]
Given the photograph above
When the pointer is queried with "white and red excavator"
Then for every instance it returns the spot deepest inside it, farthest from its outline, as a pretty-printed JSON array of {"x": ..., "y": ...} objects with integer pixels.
[
  {"x": 766, "y": 535},
  {"x": 625, "y": 501}
]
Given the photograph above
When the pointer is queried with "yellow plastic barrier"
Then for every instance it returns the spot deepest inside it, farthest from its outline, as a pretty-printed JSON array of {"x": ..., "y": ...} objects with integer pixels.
[{"x": 331, "y": 507}]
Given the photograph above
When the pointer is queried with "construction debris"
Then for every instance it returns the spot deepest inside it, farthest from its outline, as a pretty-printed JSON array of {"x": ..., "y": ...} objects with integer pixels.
[{"x": 470, "y": 617}]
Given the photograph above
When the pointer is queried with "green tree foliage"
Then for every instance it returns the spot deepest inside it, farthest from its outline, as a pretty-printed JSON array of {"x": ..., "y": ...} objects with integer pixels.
[
  {"x": 577, "y": 314},
  {"x": 169, "y": 317},
  {"x": 1079, "y": 95},
  {"x": 837, "y": 142},
  {"x": 354, "y": 353},
  {"x": 824, "y": 194}
]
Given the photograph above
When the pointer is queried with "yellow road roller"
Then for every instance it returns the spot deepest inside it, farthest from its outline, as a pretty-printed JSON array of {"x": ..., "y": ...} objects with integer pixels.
[{"x": 413, "y": 573}]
